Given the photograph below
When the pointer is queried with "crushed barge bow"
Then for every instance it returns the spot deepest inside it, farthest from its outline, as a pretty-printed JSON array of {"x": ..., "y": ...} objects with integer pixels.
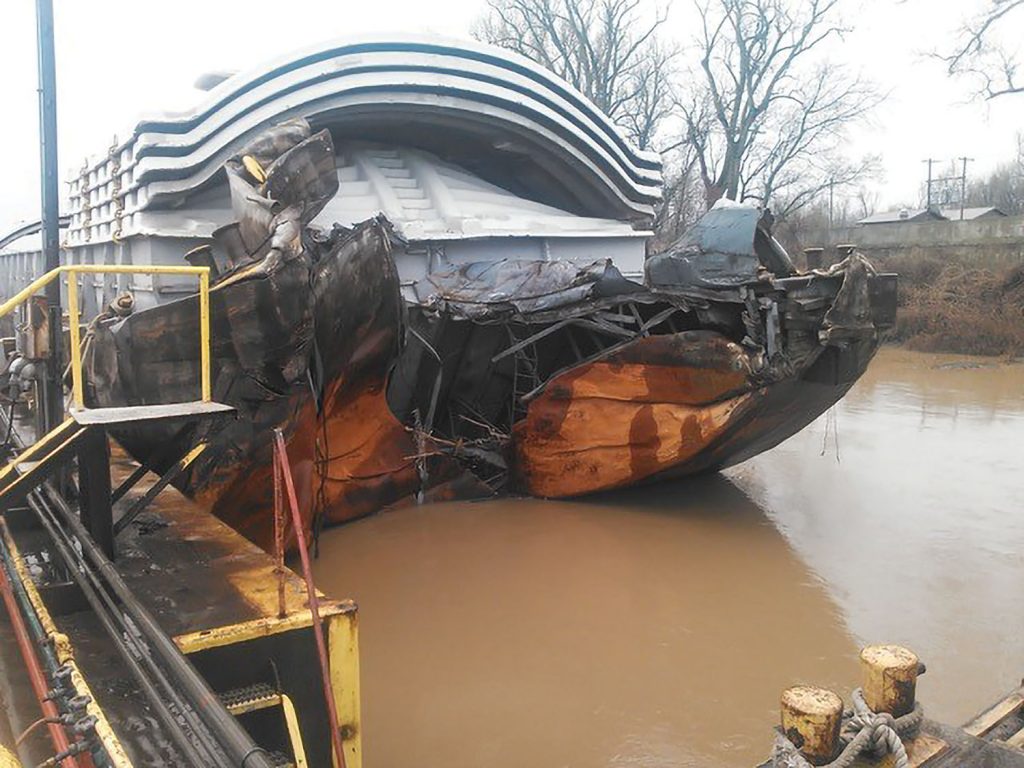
[
  {"x": 725, "y": 352},
  {"x": 432, "y": 274},
  {"x": 543, "y": 377}
]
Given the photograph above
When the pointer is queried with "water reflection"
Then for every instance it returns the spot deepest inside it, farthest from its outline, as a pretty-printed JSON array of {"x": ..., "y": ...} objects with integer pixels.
[
  {"x": 917, "y": 530},
  {"x": 648, "y": 628},
  {"x": 656, "y": 627}
]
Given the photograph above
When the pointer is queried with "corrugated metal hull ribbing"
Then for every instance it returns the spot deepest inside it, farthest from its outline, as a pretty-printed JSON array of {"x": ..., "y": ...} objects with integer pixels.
[{"x": 427, "y": 83}]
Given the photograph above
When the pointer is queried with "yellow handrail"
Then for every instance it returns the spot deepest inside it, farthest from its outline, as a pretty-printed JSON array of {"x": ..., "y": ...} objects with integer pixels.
[
  {"x": 74, "y": 270},
  {"x": 291, "y": 720}
]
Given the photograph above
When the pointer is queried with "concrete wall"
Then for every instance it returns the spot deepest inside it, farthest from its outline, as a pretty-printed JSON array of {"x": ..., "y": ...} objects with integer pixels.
[{"x": 986, "y": 242}]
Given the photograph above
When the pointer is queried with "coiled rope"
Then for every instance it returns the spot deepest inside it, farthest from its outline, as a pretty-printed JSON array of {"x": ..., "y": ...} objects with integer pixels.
[{"x": 877, "y": 733}]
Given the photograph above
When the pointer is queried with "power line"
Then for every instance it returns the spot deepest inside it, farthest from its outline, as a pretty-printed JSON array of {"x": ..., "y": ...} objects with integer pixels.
[
  {"x": 931, "y": 161},
  {"x": 963, "y": 183}
]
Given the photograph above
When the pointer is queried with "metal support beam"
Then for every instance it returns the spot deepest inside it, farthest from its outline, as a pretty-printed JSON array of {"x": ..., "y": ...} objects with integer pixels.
[
  {"x": 94, "y": 502},
  {"x": 172, "y": 448},
  {"x": 165, "y": 479},
  {"x": 50, "y": 202},
  {"x": 38, "y": 462}
]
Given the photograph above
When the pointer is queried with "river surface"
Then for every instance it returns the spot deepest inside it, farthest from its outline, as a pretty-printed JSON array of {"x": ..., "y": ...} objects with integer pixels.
[{"x": 657, "y": 627}]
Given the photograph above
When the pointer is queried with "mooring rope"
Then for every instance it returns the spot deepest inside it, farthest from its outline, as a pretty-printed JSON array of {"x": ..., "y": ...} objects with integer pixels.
[{"x": 862, "y": 731}]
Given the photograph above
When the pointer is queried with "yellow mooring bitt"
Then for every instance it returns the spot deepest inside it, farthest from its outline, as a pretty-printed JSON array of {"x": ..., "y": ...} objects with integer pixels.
[{"x": 812, "y": 717}]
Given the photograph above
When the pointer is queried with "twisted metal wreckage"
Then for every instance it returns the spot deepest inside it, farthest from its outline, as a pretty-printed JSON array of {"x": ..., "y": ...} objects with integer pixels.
[{"x": 442, "y": 300}]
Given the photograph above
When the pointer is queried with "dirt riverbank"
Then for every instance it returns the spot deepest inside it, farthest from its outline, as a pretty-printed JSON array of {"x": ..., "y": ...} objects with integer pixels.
[{"x": 954, "y": 307}]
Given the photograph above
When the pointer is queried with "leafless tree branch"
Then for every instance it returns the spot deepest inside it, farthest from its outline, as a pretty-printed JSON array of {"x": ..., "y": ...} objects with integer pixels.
[
  {"x": 605, "y": 48},
  {"x": 979, "y": 56},
  {"x": 768, "y": 117}
]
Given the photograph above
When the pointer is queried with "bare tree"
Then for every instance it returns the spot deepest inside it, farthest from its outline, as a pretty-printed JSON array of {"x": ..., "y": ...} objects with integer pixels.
[
  {"x": 979, "y": 55},
  {"x": 867, "y": 201},
  {"x": 682, "y": 202},
  {"x": 605, "y": 48},
  {"x": 768, "y": 116},
  {"x": 1004, "y": 186}
]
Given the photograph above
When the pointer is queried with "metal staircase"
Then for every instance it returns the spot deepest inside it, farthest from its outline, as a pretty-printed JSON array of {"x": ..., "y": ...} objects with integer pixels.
[
  {"x": 253, "y": 698},
  {"x": 30, "y": 468},
  {"x": 81, "y": 439},
  {"x": 201, "y": 729},
  {"x": 36, "y": 463}
]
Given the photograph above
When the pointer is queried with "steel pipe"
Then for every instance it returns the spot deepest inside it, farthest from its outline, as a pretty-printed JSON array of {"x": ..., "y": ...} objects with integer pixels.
[{"x": 36, "y": 676}]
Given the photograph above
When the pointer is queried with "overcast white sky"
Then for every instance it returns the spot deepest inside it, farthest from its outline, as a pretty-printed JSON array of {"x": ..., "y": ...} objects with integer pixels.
[{"x": 119, "y": 59}]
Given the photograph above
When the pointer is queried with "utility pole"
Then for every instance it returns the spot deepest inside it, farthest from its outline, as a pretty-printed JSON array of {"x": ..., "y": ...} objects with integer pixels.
[
  {"x": 831, "y": 186},
  {"x": 931, "y": 162},
  {"x": 963, "y": 184},
  {"x": 50, "y": 189}
]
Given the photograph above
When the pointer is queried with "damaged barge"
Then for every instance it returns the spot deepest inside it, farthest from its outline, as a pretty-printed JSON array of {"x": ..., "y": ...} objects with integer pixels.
[{"x": 429, "y": 268}]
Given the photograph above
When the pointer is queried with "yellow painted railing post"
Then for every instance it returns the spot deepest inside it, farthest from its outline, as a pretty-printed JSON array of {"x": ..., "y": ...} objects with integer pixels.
[
  {"x": 343, "y": 651},
  {"x": 291, "y": 721},
  {"x": 74, "y": 270},
  {"x": 204, "y": 334},
  {"x": 77, "y": 389}
]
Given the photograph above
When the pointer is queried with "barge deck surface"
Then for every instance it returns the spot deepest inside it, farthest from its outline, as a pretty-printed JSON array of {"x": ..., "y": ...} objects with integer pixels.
[
  {"x": 993, "y": 739},
  {"x": 967, "y": 751},
  {"x": 946, "y": 746},
  {"x": 205, "y": 584}
]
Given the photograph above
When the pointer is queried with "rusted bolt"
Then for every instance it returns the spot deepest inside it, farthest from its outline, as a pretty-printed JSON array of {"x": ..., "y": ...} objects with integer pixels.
[
  {"x": 889, "y": 678},
  {"x": 811, "y": 718}
]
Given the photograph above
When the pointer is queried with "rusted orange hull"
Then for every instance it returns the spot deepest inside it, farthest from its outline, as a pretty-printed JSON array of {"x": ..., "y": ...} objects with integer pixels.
[
  {"x": 596, "y": 444},
  {"x": 349, "y": 454},
  {"x": 663, "y": 406},
  {"x": 541, "y": 377},
  {"x": 649, "y": 407},
  {"x": 354, "y": 462}
]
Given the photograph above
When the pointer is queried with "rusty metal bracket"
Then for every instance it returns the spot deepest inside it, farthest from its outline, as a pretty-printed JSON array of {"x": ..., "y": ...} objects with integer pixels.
[
  {"x": 166, "y": 479},
  {"x": 160, "y": 455}
]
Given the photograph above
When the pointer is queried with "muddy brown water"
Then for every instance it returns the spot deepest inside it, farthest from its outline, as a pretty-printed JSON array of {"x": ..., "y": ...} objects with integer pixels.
[{"x": 657, "y": 626}]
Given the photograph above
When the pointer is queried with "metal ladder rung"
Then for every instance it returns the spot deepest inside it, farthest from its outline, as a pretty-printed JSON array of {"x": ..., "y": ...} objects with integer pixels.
[
  {"x": 253, "y": 698},
  {"x": 250, "y": 699}
]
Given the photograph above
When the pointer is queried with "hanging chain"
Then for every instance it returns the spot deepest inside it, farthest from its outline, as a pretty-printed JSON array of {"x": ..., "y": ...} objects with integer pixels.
[
  {"x": 114, "y": 157},
  {"x": 84, "y": 196}
]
